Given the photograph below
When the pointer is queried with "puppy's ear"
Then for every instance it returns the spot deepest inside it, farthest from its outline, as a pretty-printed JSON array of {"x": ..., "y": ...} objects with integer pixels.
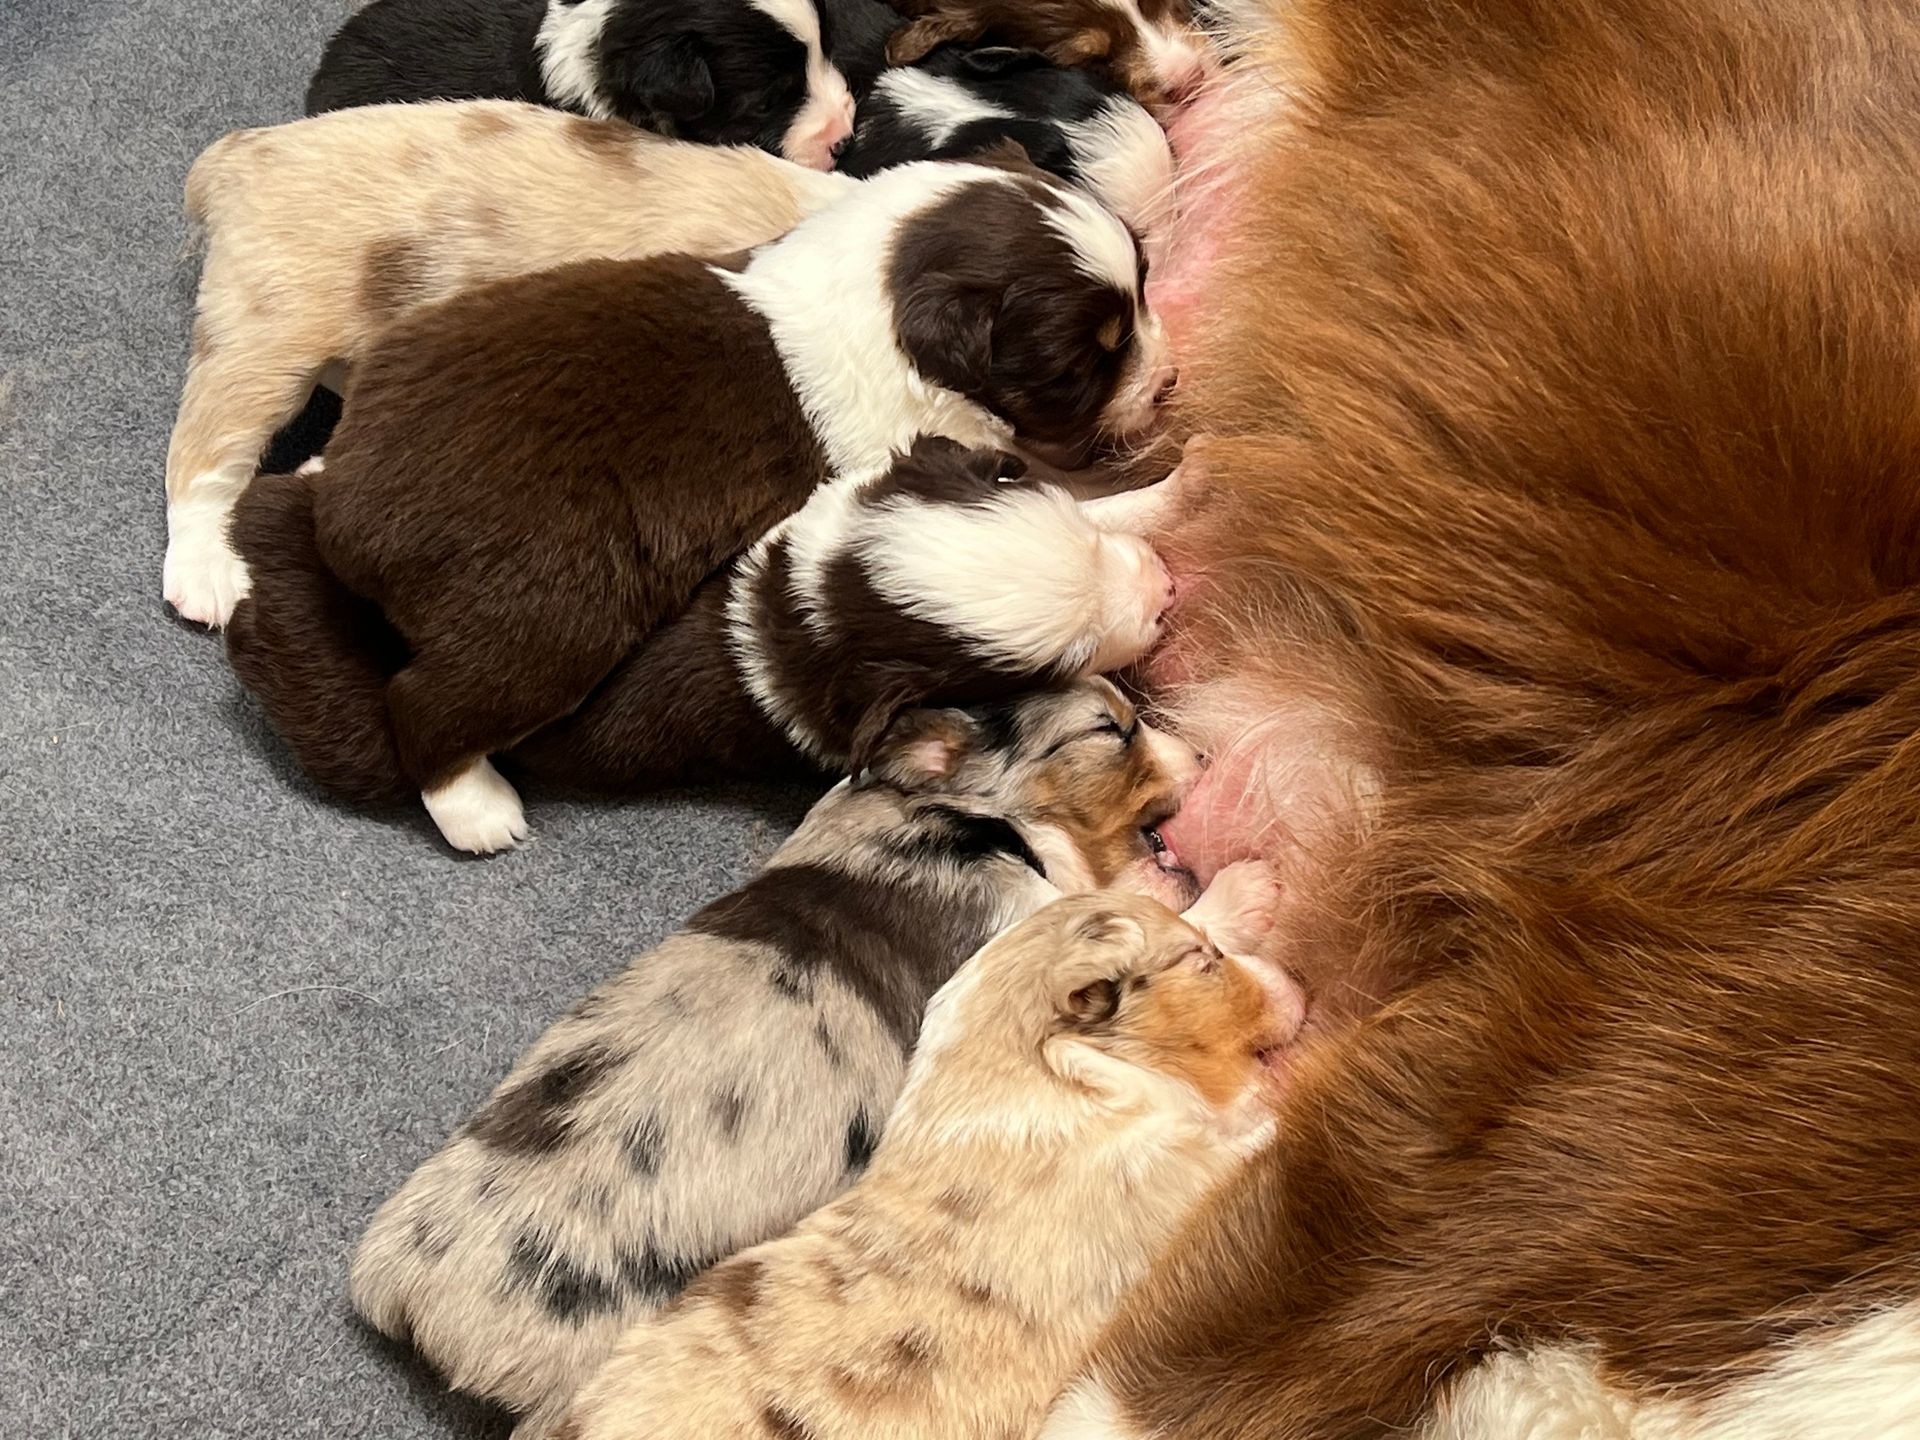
[
  {"x": 946, "y": 328},
  {"x": 921, "y": 750},
  {"x": 919, "y": 38},
  {"x": 660, "y": 78},
  {"x": 1082, "y": 46},
  {"x": 1091, "y": 1004}
]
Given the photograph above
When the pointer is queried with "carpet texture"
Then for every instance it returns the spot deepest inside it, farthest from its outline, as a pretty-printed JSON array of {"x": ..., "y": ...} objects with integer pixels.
[{"x": 235, "y": 1015}]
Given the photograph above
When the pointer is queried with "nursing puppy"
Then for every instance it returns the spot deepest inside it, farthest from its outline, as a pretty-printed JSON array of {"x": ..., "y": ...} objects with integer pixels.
[
  {"x": 722, "y": 72},
  {"x": 479, "y": 492},
  {"x": 1079, "y": 1087},
  {"x": 311, "y": 246},
  {"x": 1152, "y": 47},
  {"x": 738, "y": 1076},
  {"x": 958, "y": 102}
]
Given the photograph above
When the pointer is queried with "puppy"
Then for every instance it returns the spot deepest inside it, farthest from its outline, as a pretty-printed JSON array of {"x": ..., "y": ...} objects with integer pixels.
[
  {"x": 737, "y": 1077},
  {"x": 959, "y": 101},
  {"x": 311, "y": 246},
  {"x": 723, "y": 72},
  {"x": 1152, "y": 47},
  {"x": 957, "y": 575},
  {"x": 672, "y": 413},
  {"x": 1080, "y": 1085}
]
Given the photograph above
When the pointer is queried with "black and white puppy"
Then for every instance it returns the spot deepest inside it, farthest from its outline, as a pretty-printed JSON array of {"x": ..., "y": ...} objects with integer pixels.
[
  {"x": 739, "y": 1075},
  {"x": 960, "y": 101},
  {"x": 725, "y": 72}
]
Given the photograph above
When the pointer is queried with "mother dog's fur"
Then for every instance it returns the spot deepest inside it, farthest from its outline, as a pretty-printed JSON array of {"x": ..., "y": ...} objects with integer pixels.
[{"x": 1563, "y": 595}]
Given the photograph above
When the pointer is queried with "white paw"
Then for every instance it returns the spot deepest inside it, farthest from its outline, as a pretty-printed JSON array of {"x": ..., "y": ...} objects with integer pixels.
[
  {"x": 1088, "y": 1412},
  {"x": 203, "y": 578},
  {"x": 478, "y": 811},
  {"x": 1239, "y": 908}
]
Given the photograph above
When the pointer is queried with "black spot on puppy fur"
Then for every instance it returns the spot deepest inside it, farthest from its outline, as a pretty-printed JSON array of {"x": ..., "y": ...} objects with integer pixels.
[
  {"x": 729, "y": 1110},
  {"x": 657, "y": 1278},
  {"x": 861, "y": 1141},
  {"x": 966, "y": 838},
  {"x": 644, "y": 1145},
  {"x": 532, "y": 1118},
  {"x": 570, "y": 1292}
]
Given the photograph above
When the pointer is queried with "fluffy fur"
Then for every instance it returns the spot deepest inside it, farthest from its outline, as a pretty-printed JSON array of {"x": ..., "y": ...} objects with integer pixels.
[
  {"x": 1558, "y": 635},
  {"x": 311, "y": 245},
  {"x": 831, "y": 349},
  {"x": 739, "y": 1075},
  {"x": 1078, "y": 1086},
  {"x": 1152, "y": 47},
  {"x": 960, "y": 101},
  {"x": 723, "y": 72}
]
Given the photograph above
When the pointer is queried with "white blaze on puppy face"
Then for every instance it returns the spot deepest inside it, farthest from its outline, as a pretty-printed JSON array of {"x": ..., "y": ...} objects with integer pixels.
[
  {"x": 1105, "y": 251},
  {"x": 826, "y": 119}
]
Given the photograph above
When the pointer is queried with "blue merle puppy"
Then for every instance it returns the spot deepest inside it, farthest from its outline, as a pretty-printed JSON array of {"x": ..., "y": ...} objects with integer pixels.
[{"x": 737, "y": 1077}]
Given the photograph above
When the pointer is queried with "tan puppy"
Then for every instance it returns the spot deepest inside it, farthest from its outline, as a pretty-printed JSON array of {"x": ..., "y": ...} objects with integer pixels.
[
  {"x": 319, "y": 232},
  {"x": 1079, "y": 1086}
]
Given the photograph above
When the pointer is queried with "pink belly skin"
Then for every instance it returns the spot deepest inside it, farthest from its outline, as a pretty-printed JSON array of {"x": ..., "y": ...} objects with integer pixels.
[{"x": 1217, "y": 824}]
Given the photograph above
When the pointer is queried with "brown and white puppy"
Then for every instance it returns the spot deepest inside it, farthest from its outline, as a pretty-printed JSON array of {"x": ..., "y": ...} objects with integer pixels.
[
  {"x": 522, "y": 516},
  {"x": 1078, "y": 1088},
  {"x": 737, "y": 1076},
  {"x": 1559, "y": 635},
  {"x": 319, "y": 232},
  {"x": 1152, "y": 47}
]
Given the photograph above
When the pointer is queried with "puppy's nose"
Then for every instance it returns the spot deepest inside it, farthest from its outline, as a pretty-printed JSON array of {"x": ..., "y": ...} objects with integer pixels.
[
  {"x": 1163, "y": 384},
  {"x": 1182, "y": 76}
]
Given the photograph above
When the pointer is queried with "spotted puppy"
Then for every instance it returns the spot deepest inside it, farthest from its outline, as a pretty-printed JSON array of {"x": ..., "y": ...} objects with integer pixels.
[
  {"x": 738, "y": 1076},
  {"x": 523, "y": 517},
  {"x": 311, "y": 247},
  {"x": 723, "y": 72},
  {"x": 1079, "y": 1086},
  {"x": 962, "y": 100},
  {"x": 1152, "y": 47}
]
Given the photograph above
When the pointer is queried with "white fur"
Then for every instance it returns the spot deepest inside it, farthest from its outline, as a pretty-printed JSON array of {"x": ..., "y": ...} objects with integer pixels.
[
  {"x": 202, "y": 577},
  {"x": 1855, "y": 1382},
  {"x": 938, "y": 106},
  {"x": 823, "y": 293},
  {"x": 568, "y": 43},
  {"x": 1180, "y": 58},
  {"x": 1124, "y": 158},
  {"x": 1102, "y": 248},
  {"x": 1023, "y": 577},
  {"x": 477, "y": 811},
  {"x": 1088, "y": 1411},
  {"x": 826, "y": 118}
]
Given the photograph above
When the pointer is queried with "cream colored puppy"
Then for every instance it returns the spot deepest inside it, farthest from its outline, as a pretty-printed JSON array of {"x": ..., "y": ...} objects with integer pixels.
[
  {"x": 1079, "y": 1086},
  {"x": 320, "y": 231}
]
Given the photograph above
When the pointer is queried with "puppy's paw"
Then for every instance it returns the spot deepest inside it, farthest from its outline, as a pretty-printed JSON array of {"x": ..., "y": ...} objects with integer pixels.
[
  {"x": 478, "y": 811},
  {"x": 202, "y": 577},
  {"x": 1239, "y": 908}
]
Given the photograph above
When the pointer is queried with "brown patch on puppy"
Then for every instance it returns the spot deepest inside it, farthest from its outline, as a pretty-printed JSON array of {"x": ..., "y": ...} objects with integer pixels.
[
  {"x": 479, "y": 124},
  {"x": 782, "y": 1424},
  {"x": 391, "y": 277},
  {"x": 1104, "y": 806},
  {"x": 533, "y": 1117},
  {"x": 612, "y": 140},
  {"x": 734, "y": 1286}
]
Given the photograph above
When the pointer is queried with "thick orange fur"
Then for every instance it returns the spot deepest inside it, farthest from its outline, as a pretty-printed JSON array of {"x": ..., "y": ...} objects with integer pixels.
[{"x": 1559, "y": 602}]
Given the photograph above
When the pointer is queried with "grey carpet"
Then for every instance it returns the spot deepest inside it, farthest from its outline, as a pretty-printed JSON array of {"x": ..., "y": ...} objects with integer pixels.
[{"x": 234, "y": 1015}]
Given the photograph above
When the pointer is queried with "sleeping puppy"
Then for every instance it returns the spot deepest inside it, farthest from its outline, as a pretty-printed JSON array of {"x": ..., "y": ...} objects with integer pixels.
[
  {"x": 672, "y": 413},
  {"x": 959, "y": 101},
  {"x": 722, "y": 72},
  {"x": 955, "y": 575},
  {"x": 738, "y": 1076},
  {"x": 1152, "y": 47},
  {"x": 311, "y": 247},
  {"x": 1079, "y": 1087}
]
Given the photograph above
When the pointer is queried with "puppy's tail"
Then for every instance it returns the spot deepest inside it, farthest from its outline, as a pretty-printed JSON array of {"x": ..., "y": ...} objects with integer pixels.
[{"x": 315, "y": 655}]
